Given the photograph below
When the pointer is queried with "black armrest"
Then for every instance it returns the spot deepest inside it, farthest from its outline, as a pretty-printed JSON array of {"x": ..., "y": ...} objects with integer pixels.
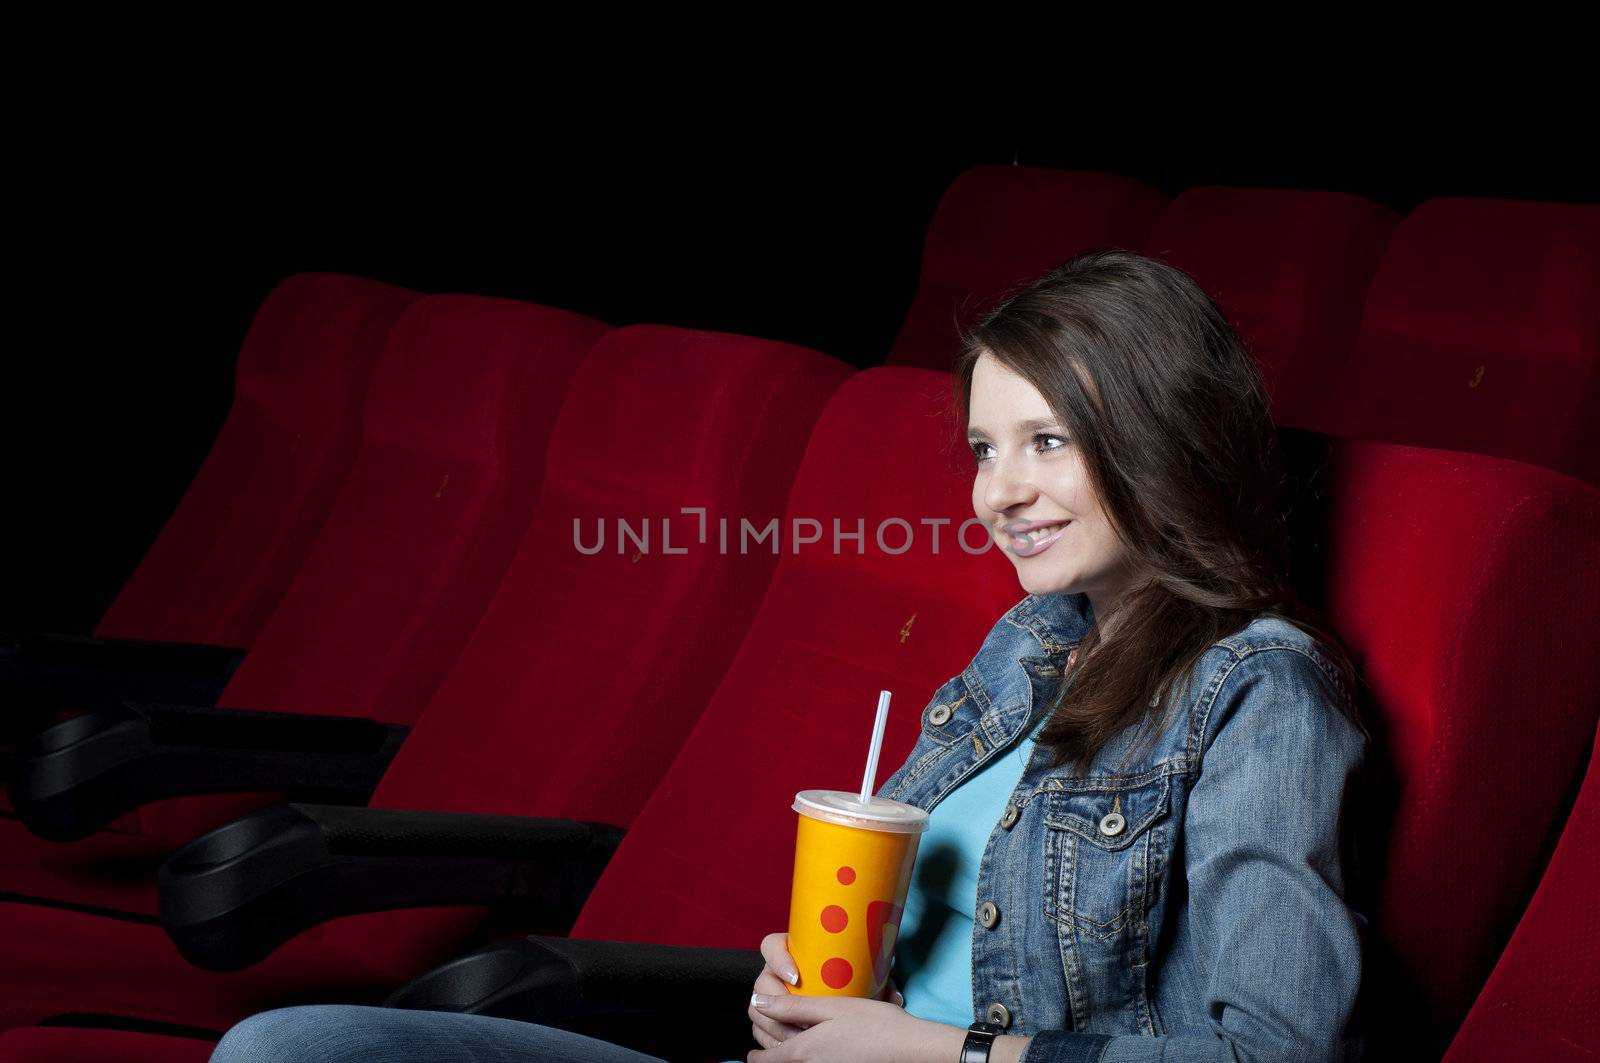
[
  {"x": 670, "y": 1001},
  {"x": 230, "y": 897},
  {"x": 41, "y": 674},
  {"x": 78, "y": 776}
]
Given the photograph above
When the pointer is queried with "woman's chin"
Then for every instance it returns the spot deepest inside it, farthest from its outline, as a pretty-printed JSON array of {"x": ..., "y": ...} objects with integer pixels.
[{"x": 1034, "y": 583}]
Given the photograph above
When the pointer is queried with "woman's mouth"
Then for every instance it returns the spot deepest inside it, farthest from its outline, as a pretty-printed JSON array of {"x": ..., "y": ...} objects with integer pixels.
[{"x": 1037, "y": 540}]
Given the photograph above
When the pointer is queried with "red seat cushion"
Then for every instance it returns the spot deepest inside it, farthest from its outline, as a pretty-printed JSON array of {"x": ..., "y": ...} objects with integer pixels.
[
  {"x": 113, "y": 869},
  {"x": 61, "y": 961},
  {"x": 66, "y": 1044}
]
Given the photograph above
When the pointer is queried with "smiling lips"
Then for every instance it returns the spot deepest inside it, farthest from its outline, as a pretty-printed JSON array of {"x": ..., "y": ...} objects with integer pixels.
[{"x": 1031, "y": 537}]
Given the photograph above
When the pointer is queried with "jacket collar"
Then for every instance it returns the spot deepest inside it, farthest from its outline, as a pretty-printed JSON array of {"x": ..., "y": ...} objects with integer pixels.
[
  {"x": 1058, "y": 621},
  {"x": 1012, "y": 678}
]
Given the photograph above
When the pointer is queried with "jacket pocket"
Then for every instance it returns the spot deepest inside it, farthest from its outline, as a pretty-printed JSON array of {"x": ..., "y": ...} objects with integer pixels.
[
  {"x": 1106, "y": 848},
  {"x": 939, "y": 730}
]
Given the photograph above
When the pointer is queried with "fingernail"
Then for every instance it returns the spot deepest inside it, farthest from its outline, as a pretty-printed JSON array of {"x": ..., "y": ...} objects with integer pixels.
[
  {"x": 759, "y": 1001},
  {"x": 794, "y": 977}
]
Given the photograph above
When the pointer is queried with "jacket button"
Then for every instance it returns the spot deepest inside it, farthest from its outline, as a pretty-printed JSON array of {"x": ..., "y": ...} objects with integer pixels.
[
  {"x": 1111, "y": 824},
  {"x": 939, "y": 716},
  {"x": 1009, "y": 820},
  {"x": 988, "y": 915},
  {"x": 998, "y": 1014}
]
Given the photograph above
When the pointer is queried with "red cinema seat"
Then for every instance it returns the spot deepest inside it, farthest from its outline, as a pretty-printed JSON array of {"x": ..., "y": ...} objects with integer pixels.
[
  {"x": 451, "y": 459},
  {"x": 67, "y": 1044},
  {"x": 997, "y": 228},
  {"x": 228, "y": 553},
  {"x": 1472, "y": 644},
  {"x": 588, "y": 672},
  {"x": 1467, "y": 590},
  {"x": 1543, "y": 999},
  {"x": 1482, "y": 333},
  {"x": 575, "y": 692},
  {"x": 795, "y": 711},
  {"x": 1290, "y": 269},
  {"x": 708, "y": 860}
]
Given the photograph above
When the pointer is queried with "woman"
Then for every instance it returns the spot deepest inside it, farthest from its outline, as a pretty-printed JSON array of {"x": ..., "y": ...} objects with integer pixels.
[{"x": 1160, "y": 873}]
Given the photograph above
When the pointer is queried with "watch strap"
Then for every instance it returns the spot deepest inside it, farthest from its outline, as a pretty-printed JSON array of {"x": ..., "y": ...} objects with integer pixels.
[{"x": 980, "y": 1039}]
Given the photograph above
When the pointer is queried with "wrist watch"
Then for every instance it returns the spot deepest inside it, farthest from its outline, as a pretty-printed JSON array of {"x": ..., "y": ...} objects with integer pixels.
[{"x": 980, "y": 1038}]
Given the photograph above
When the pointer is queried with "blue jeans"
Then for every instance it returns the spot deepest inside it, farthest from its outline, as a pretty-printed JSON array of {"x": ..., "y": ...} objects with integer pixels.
[{"x": 348, "y": 1033}]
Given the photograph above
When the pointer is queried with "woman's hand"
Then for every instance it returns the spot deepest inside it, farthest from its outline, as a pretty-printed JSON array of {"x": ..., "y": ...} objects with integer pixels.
[
  {"x": 776, "y": 977},
  {"x": 849, "y": 1030}
]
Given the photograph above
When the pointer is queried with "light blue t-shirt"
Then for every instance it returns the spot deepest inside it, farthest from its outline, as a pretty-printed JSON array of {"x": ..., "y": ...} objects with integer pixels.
[{"x": 933, "y": 956}]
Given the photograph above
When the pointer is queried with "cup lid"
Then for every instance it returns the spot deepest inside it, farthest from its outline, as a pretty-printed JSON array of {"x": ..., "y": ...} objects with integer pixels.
[{"x": 879, "y": 813}]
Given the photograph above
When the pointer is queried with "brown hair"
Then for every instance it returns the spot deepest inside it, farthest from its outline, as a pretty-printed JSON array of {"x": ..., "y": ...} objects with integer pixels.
[{"x": 1173, "y": 424}]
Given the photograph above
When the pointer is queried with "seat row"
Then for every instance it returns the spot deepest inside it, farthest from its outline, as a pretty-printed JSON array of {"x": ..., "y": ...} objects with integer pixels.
[
  {"x": 452, "y": 654},
  {"x": 1468, "y": 324}
]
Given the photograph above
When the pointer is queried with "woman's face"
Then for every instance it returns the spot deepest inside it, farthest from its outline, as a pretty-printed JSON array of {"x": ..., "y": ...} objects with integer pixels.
[{"x": 1032, "y": 490}]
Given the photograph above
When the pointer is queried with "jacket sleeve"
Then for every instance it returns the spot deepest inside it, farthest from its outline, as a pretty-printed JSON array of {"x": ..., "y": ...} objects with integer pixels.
[{"x": 1279, "y": 949}]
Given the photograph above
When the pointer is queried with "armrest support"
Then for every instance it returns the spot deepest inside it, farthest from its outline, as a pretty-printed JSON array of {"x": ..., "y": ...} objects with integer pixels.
[
  {"x": 232, "y": 896},
  {"x": 671, "y": 1001},
  {"x": 78, "y": 776},
  {"x": 43, "y": 673}
]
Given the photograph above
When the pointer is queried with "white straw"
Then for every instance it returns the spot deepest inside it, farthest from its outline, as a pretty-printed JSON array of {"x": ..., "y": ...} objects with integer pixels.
[{"x": 877, "y": 747}]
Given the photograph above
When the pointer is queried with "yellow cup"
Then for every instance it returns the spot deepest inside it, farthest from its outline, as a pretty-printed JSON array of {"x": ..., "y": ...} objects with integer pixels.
[{"x": 852, "y": 868}]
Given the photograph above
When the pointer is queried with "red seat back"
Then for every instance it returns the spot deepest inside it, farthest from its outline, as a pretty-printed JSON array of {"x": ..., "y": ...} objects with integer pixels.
[
  {"x": 1466, "y": 588},
  {"x": 1482, "y": 333},
  {"x": 708, "y": 859},
  {"x": 999, "y": 227},
  {"x": 1543, "y": 999},
  {"x": 451, "y": 458},
  {"x": 588, "y": 670},
  {"x": 1290, "y": 269},
  {"x": 229, "y": 551}
]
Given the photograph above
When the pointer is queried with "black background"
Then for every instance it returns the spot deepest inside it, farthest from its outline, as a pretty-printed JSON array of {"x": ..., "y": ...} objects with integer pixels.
[{"x": 148, "y": 247}]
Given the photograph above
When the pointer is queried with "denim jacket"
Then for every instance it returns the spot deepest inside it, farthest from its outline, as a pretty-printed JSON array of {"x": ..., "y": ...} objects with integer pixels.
[{"x": 1188, "y": 904}]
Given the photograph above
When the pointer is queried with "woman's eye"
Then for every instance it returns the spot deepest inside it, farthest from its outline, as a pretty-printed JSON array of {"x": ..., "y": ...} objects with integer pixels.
[{"x": 1043, "y": 440}]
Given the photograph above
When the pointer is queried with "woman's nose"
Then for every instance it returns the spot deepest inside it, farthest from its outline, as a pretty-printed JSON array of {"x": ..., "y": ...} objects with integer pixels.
[{"x": 1008, "y": 486}]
